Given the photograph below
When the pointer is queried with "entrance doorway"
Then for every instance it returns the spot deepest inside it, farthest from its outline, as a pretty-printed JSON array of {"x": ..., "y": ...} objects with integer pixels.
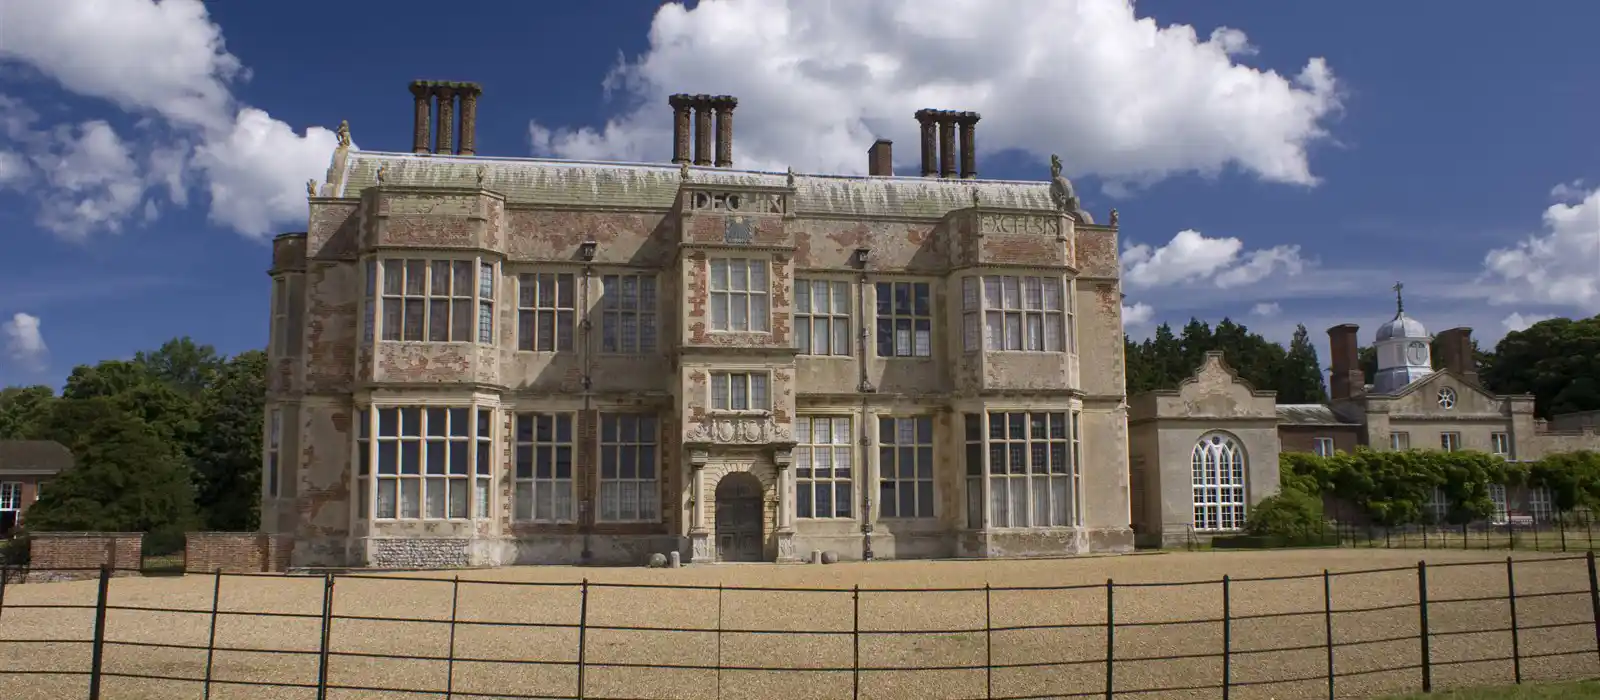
[{"x": 739, "y": 518}]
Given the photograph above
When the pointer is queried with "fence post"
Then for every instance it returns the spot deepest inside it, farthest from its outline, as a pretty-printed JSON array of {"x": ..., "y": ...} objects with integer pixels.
[
  {"x": 719, "y": 640},
  {"x": 97, "y": 654},
  {"x": 855, "y": 638},
  {"x": 1463, "y": 537},
  {"x": 1594, "y": 599},
  {"x": 583, "y": 634},
  {"x": 1227, "y": 639},
  {"x": 450, "y": 660},
  {"x": 1511, "y": 599},
  {"x": 988, "y": 643},
  {"x": 1422, "y": 614},
  {"x": 1561, "y": 525},
  {"x": 211, "y": 641},
  {"x": 1327, "y": 623},
  {"x": 1111, "y": 639},
  {"x": 5, "y": 576},
  {"x": 327, "y": 636}
]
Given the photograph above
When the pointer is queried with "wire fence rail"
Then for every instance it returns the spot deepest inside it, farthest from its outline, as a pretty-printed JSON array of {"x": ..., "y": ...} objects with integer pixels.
[{"x": 1387, "y": 629}]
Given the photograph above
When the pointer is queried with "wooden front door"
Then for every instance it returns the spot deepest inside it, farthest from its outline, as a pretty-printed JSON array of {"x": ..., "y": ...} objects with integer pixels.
[{"x": 739, "y": 536}]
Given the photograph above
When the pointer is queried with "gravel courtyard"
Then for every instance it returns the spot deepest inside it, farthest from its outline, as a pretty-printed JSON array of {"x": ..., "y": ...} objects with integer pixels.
[{"x": 1028, "y": 660}]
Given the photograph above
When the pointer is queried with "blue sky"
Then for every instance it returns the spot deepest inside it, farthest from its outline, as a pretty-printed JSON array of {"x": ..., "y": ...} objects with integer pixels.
[{"x": 1278, "y": 163}]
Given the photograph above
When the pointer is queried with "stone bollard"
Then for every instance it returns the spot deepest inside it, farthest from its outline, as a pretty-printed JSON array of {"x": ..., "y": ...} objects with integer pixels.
[
  {"x": 674, "y": 559},
  {"x": 816, "y": 556}
]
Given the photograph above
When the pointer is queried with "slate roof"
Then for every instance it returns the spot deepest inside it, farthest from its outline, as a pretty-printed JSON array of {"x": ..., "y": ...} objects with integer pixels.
[
  {"x": 656, "y": 185},
  {"x": 33, "y": 457},
  {"x": 1308, "y": 414}
]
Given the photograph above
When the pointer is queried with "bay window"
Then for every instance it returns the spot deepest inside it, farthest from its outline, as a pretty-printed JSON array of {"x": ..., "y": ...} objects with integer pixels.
[
  {"x": 1025, "y": 314},
  {"x": 1030, "y": 459},
  {"x": 425, "y": 462},
  {"x": 433, "y": 300}
]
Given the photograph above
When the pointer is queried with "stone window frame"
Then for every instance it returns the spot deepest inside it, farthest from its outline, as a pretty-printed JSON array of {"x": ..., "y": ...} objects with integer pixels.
[
  {"x": 978, "y": 441},
  {"x": 481, "y": 456},
  {"x": 752, "y": 407},
  {"x": 924, "y": 453},
  {"x": 1399, "y": 440},
  {"x": 534, "y": 481},
  {"x": 272, "y": 453},
  {"x": 479, "y": 293},
  {"x": 751, "y": 294},
  {"x": 642, "y": 485},
  {"x": 1214, "y": 493},
  {"x": 11, "y": 492},
  {"x": 1322, "y": 446},
  {"x": 531, "y": 304},
  {"x": 279, "y": 343},
  {"x": 806, "y": 319},
  {"x": 1502, "y": 504},
  {"x": 979, "y": 311},
  {"x": 1438, "y": 505},
  {"x": 645, "y": 314},
  {"x": 887, "y": 316},
  {"x": 1500, "y": 443},
  {"x": 803, "y": 459},
  {"x": 1450, "y": 441},
  {"x": 1447, "y": 398},
  {"x": 1541, "y": 503}
]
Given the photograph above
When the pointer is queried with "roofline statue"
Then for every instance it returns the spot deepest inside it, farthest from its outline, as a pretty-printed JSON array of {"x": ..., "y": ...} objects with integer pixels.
[{"x": 1063, "y": 194}]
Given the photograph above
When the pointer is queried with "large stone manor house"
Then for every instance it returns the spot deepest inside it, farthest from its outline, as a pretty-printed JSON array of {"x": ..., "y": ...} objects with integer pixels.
[{"x": 487, "y": 361}]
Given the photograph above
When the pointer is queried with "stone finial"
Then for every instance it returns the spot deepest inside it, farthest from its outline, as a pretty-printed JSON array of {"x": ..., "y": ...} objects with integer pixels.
[{"x": 343, "y": 133}]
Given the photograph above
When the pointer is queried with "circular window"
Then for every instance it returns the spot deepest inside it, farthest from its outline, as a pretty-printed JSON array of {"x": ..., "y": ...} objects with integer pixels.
[{"x": 1447, "y": 398}]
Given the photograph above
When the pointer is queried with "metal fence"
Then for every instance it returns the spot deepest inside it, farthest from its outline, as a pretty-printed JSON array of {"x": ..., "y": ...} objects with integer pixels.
[
  {"x": 1569, "y": 534},
  {"x": 1287, "y": 636}
]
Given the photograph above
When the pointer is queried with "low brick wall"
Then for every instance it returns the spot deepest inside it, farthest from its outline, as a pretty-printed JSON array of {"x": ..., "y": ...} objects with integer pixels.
[
  {"x": 236, "y": 552},
  {"x": 73, "y": 556}
]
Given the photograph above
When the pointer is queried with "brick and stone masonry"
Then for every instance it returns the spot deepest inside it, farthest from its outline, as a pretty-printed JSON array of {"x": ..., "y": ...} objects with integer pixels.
[
  {"x": 74, "y": 556},
  {"x": 236, "y": 552}
]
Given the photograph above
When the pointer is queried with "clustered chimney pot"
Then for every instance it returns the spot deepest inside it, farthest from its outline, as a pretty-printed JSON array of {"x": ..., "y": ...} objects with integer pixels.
[
  {"x": 939, "y": 133},
  {"x": 446, "y": 93},
  {"x": 880, "y": 158},
  {"x": 706, "y": 122}
]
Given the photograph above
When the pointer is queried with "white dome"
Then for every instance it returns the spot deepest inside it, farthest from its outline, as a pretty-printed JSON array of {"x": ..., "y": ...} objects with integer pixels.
[{"x": 1402, "y": 326}]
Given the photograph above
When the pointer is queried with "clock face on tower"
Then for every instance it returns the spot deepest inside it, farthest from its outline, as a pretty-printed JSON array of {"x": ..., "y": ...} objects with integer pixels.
[{"x": 1417, "y": 352}]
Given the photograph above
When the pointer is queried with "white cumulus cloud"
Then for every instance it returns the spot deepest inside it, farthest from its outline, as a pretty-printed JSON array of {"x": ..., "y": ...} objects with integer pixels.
[
  {"x": 1518, "y": 322},
  {"x": 24, "y": 343},
  {"x": 1193, "y": 258},
  {"x": 1138, "y": 314},
  {"x": 1114, "y": 94},
  {"x": 1266, "y": 309},
  {"x": 1559, "y": 266},
  {"x": 167, "y": 60}
]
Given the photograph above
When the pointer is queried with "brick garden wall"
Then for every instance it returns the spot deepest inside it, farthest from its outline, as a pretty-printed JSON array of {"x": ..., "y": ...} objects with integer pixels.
[
  {"x": 236, "y": 552},
  {"x": 71, "y": 556}
]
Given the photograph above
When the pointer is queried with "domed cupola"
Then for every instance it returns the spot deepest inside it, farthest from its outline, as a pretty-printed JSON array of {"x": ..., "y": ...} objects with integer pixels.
[{"x": 1404, "y": 350}]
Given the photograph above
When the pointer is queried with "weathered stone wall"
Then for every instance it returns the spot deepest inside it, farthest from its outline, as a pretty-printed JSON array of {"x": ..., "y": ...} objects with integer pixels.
[
  {"x": 236, "y": 552},
  {"x": 73, "y": 556},
  {"x": 420, "y": 553}
]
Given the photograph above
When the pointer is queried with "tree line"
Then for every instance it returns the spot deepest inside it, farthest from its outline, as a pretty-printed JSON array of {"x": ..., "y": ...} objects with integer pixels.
[{"x": 1557, "y": 361}]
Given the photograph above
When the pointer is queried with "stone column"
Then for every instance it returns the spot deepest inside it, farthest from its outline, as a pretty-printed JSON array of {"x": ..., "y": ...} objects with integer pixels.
[
  {"x": 469, "y": 120},
  {"x": 680, "y": 128},
  {"x": 702, "y": 130},
  {"x": 969, "y": 154},
  {"x": 947, "y": 145},
  {"x": 420, "y": 137},
  {"x": 724, "y": 107},
  {"x": 930, "y": 145},
  {"x": 701, "y": 547},
  {"x": 447, "y": 119}
]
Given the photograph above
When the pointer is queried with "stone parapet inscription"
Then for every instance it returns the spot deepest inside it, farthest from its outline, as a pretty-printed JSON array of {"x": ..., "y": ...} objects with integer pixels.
[
  {"x": 737, "y": 430},
  {"x": 1026, "y": 224},
  {"x": 737, "y": 202}
]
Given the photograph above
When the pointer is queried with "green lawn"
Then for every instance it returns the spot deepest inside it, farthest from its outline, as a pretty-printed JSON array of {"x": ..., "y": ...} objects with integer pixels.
[{"x": 1585, "y": 690}]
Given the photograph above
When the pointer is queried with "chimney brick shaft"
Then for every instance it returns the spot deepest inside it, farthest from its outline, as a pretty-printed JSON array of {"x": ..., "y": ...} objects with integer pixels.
[
  {"x": 680, "y": 127},
  {"x": 724, "y": 108},
  {"x": 930, "y": 142},
  {"x": 702, "y": 130},
  {"x": 947, "y": 147},
  {"x": 420, "y": 136},
  {"x": 447, "y": 120},
  {"x": 1455, "y": 346},
  {"x": 1345, "y": 378},
  {"x": 880, "y": 158},
  {"x": 969, "y": 155},
  {"x": 469, "y": 121}
]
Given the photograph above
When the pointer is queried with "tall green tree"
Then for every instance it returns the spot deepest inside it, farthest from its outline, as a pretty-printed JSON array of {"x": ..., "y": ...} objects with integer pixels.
[
  {"x": 124, "y": 477},
  {"x": 182, "y": 364},
  {"x": 132, "y": 387},
  {"x": 227, "y": 454},
  {"x": 22, "y": 409},
  {"x": 1558, "y": 361},
  {"x": 1300, "y": 374}
]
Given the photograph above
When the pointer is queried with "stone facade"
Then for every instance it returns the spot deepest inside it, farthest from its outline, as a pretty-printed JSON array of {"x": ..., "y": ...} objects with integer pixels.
[
  {"x": 73, "y": 556},
  {"x": 236, "y": 552},
  {"x": 487, "y": 362}
]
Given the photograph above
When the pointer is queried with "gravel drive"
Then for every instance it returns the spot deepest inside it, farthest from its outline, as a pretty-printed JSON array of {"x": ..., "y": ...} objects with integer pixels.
[{"x": 1029, "y": 660}]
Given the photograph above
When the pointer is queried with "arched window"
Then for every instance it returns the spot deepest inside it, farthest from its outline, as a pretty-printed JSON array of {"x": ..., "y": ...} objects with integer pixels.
[{"x": 1218, "y": 465}]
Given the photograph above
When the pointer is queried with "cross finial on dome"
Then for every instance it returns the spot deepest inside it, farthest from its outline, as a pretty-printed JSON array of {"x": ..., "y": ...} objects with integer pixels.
[{"x": 1399, "y": 301}]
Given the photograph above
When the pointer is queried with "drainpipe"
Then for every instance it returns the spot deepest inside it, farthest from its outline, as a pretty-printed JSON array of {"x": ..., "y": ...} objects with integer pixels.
[
  {"x": 586, "y": 518},
  {"x": 864, "y": 387}
]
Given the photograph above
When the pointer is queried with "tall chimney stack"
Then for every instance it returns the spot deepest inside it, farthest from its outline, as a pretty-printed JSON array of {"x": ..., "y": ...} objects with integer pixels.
[
  {"x": 926, "y": 121},
  {"x": 723, "y": 106},
  {"x": 424, "y": 139},
  {"x": 702, "y": 129},
  {"x": 1345, "y": 378},
  {"x": 681, "y": 126},
  {"x": 947, "y": 144},
  {"x": 939, "y": 132},
  {"x": 880, "y": 158},
  {"x": 968, "y": 121},
  {"x": 1455, "y": 348}
]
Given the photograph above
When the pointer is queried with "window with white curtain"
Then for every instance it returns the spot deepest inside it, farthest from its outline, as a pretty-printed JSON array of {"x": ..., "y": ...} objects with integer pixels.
[
  {"x": 739, "y": 294},
  {"x": 543, "y": 457},
  {"x": 823, "y": 459},
  {"x": 629, "y": 467},
  {"x": 822, "y": 317},
  {"x": 1217, "y": 463}
]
